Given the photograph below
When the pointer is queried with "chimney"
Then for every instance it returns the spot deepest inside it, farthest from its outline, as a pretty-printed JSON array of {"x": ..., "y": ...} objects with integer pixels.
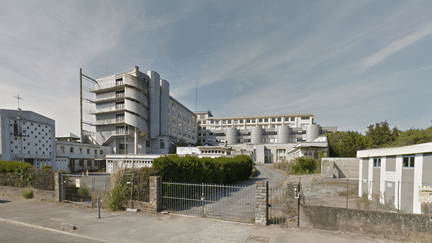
[{"x": 136, "y": 69}]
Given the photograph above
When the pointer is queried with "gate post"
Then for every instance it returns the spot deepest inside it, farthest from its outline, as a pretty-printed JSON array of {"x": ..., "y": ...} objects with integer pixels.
[
  {"x": 156, "y": 192},
  {"x": 57, "y": 186},
  {"x": 261, "y": 203}
]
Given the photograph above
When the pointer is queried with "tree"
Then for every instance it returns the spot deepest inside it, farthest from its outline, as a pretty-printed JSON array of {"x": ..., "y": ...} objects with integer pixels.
[
  {"x": 380, "y": 134},
  {"x": 182, "y": 143},
  {"x": 346, "y": 144}
]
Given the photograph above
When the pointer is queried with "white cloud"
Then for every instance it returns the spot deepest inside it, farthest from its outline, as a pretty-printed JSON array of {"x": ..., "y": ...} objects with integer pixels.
[{"x": 394, "y": 47}]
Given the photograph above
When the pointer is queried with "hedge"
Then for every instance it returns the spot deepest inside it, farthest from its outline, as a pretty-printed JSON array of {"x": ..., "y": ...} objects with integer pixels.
[
  {"x": 191, "y": 169},
  {"x": 13, "y": 166}
]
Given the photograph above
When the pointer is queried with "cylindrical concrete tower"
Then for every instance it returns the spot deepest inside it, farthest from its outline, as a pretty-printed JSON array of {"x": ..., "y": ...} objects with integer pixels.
[
  {"x": 231, "y": 135},
  {"x": 312, "y": 132},
  {"x": 283, "y": 134},
  {"x": 256, "y": 135}
]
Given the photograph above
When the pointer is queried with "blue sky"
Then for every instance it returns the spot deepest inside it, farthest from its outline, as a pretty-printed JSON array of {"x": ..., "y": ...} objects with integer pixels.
[{"x": 350, "y": 63}]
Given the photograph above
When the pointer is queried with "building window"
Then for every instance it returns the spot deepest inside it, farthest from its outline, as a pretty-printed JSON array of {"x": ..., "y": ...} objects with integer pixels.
[
  {"x": 279, "y": 119},
  {"x": 148, "y": 144},
  {"x": 408, "y": 162},
  {"x": 377, "y": 162},
  {"x": 88, "y": 151},
  {"x": 266, "y": 120},
  {"x": 71, "y": 150},
  {"x": 15, "y": 127},
  {"x": 305, "y": 118},
  {"x": 162, "y": 144},
  {"x": 260, "y": 120},
  {"x": 80, "y": 150},
  {"x": 95, "y": 151},
  {"x": 101, "y": 151}
]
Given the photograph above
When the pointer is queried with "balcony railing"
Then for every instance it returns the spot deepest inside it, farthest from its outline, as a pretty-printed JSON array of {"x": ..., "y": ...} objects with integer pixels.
[
  {"x": 110, "y": 121},
  {"x": 117, "y": 107}
]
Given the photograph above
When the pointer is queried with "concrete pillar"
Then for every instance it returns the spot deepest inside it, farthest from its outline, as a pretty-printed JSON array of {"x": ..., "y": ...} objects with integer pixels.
[
  {"x": 261, "y": 203},
  {"x": 57, "y": 186},
  {"x": 136, "y": 141},
  {"x": 156, "y": 192}
]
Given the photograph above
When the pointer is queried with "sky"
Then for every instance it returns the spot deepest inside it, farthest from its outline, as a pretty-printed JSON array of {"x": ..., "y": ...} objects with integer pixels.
[{"x": 350, "y": 63}]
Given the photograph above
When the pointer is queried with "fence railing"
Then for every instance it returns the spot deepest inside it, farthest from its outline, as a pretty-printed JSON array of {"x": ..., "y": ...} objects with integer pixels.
[{"x": 210, "y": 200}]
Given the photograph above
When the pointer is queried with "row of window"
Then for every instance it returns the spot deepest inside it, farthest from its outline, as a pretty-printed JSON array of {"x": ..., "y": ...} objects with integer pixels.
[
  {"x": 408, "y": 162},
  {"x": 80, "y": 150},
  {"x": 265, "y": 120}
]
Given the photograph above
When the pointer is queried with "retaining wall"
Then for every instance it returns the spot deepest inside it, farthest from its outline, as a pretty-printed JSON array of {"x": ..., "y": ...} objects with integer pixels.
[
  {"x": 382, "y": 224},
  {"x": 332, "y": 168}
]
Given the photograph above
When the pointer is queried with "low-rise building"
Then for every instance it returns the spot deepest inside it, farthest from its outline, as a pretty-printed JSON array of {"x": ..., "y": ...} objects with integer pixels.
[
  {"x": 74, "y": 156},
  {"x": 400, "y": 176},
  {"x": 27, "y": 136}
]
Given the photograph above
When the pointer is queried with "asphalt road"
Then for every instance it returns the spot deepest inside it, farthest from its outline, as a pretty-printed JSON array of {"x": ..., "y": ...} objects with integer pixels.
[{"x": 11, "y": 232}]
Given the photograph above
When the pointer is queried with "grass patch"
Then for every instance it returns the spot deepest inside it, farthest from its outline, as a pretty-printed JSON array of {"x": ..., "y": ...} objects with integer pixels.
[{"x": 27, "y": 193}]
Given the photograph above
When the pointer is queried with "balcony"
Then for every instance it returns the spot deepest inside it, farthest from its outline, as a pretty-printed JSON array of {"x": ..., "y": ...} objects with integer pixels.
[
  {"x": 112, "y": 98},
  {"x": 109, "y": 110},
  {"x": 110, "y": 121}
]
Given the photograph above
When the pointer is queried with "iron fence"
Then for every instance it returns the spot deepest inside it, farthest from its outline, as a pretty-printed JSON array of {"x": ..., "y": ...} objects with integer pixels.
[
  {"x": 231, "y": 202},
  {"x": 83, "y": 189}
]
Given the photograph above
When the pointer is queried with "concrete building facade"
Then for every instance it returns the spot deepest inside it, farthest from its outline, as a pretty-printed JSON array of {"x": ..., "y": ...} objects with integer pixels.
[
  {"x": 136, "y": 115},
  {"x": 400, "y": 177},
  {"x": 270, "y": 139},
  {"x": 27, "y": 136},
  {"x": 74, "y": 156}
]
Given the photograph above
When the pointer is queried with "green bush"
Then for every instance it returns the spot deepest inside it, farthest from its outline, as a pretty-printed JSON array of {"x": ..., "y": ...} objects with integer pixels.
[
  {"x": 27, "y": 193},
  {"x": 46, "y": 167},
  {"x": 191, "y": 169},
  {"x": 116, "y": 197},
  {"x": 303, "y": 165},
  {"x": 14, "y": 166}
]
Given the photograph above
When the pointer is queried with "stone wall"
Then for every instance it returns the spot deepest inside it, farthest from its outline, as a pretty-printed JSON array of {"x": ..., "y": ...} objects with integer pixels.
[
  {"x": 332, "y": 168},
  {"x": 261, "y": 203},
  {"x": 382, "y": 224},
  {"x": 37, "y": 194}
]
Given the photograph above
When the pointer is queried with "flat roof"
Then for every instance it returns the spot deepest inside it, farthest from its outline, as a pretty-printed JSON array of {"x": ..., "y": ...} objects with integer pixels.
[
  {"x": 411, "y": 149},
  {"x": 261, "y": 116}
]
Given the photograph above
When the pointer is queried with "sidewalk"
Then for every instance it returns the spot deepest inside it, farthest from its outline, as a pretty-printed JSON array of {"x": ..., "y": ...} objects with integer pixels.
[{"x": 144, "y": 227}]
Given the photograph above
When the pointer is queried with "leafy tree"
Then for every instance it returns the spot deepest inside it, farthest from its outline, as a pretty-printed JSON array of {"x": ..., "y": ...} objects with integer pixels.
[
  {"x": 346, "y": 144},
  {"x": 380, "y": 134}
]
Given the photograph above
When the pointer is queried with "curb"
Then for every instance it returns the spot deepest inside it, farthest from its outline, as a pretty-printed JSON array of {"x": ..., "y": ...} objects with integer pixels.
[{"x": 52, "y": 230}]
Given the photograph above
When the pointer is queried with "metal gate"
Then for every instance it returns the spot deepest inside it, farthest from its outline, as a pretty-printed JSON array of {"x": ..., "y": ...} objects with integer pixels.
[
  {"x": 283, "y": 204},
  {"x": 231, "y": 202},
  {"x": 83, "y": 188}
]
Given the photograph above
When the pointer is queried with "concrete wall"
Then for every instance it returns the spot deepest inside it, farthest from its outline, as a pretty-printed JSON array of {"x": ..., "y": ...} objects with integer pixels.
[
  {"x": 372, "y": 223},
  {"x": 340, "y": 168}
]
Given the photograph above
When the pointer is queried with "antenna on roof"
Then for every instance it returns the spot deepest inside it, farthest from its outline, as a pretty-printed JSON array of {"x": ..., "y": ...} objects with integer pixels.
[{"x": 18, "y": 98}]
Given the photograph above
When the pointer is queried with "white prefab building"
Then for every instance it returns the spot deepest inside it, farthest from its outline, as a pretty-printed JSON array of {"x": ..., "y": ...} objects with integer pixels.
[
  {"x": 206, "y": 151},
  {"x": 117, "y": 161},
  {"x": 27, "y": 136},
  {"x": 398, "y": 176}
]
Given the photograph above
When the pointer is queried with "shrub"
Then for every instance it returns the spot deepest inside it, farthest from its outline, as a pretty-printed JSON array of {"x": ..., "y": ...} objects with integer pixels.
[
  {"x": 14, "y": 166},
  {"x": 116, "y": 197},
  {"x": 27, "y": 193},
  {"x": 192, "y": 169},
  {"x": 46, "y": 167},
  {"x": 303, "y": 165}
]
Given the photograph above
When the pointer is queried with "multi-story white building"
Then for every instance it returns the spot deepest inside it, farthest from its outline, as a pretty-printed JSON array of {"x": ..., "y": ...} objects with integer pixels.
[
  {"x": 270, "y": 138},
  {"x": 136, "y": 115},
  {"x": 27, "y": 136}
]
